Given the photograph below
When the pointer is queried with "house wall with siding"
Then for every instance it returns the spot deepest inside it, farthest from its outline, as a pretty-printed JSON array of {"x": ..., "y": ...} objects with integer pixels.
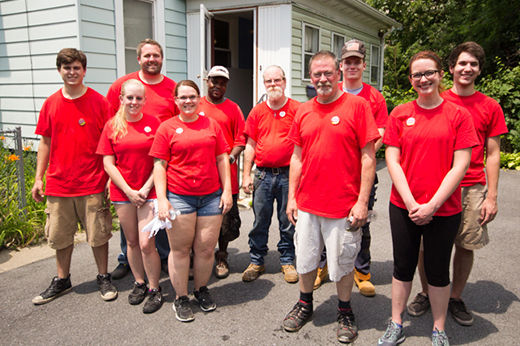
[
  {"x": 31, "y": 32},
  {"x": 327, "y": 27},
  {"x": 176, "y": 42}
]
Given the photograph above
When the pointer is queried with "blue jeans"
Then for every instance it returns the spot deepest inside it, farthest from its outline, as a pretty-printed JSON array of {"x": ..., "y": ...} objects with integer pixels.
[
  {"x": 161, "y": 243},
  {"x": 270, "y": 185}
]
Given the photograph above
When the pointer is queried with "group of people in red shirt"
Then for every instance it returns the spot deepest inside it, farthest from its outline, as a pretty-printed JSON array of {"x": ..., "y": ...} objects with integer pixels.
[{"x": 171, "y": 159}]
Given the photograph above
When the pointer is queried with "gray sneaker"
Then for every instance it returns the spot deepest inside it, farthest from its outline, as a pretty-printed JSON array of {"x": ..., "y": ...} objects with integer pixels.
[
  {"x": 394, "y": 335},
  {"x": 419, "y": 305},
  {"x": 459, "y": 312},
  {"x": 182, "y": 308},
  {"x": 439, "y": 338},
  {"x": 138, "y": 293},
  {"x": 106, "y": 289}
]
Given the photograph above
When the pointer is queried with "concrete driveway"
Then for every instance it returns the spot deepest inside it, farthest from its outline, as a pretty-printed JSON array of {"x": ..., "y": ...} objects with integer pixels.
[{"x": 251, "y": 313}]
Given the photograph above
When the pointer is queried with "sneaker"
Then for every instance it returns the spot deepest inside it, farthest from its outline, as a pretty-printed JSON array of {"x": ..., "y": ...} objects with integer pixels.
[
  {"x": 182, "y": 309},
  {"x": 204, "y": 299},
  {"x": 394, "y": 335},
  {"x": 289, "y": 273},
  {"x": 439, "y": 338},
  {"x": 297, "y": 317},
  {"x": 154, "y": 302},
  {"x": 347, "y": 329},
  {"x": 138, "y": 293},
  {"x": 419, "y": 305},
  {"x": 222, "y": 267},
  {"x": 362, "y": 281},
  {"x": 459, "y": 312},
  {"x": 57, "y": 288},
  {"x": 252, "y": 272},
  {"x": 121, "y": 271},
  {"x": 321, "y": 276},
  {"x": 107, "y": 290}
]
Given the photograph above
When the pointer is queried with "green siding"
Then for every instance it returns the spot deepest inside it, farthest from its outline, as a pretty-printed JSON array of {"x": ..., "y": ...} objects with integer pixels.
[
  {"x": 176, "y": 43},
  {"x": 327, "y": 27}
]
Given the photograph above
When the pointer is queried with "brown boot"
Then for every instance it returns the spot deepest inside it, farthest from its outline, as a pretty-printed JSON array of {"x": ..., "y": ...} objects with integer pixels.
[
  {"x": 321, "y": 276},
  {"x": 362, "y": 281},
  {"x": 221, "y": 265},
  {"x": 289, "y": 273},
  {"x": 252, "y": 272}
]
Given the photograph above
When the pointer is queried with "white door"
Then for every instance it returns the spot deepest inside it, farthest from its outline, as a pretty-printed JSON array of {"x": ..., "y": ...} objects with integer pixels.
[{"x": 205, "y": 46}]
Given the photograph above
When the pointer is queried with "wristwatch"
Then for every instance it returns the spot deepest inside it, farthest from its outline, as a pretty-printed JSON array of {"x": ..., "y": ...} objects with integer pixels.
[{"x": 232, "y": 159}]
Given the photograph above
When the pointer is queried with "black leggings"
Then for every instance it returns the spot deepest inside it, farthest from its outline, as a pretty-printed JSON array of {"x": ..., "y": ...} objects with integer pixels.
[{"x": 438, "y": 237}]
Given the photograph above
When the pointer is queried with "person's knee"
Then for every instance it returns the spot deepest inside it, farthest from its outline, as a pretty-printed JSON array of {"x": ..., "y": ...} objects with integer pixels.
[{"x": 147, "y": 246}]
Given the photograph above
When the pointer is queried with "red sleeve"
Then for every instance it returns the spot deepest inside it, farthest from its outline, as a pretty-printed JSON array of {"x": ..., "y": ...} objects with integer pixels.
[
  {"x": 367, "y": 128},
  {"x": 44, "y": 126},
  {"x": 251, "y": 126},
  {"x": 161, "y": 143},
  {"x": 393, "y": 130},
  {"x": 466, "y": 134},
  {"x": 221, "y": 145},
  {"x": 238, "y": 129},
  {"x": 105, "y": 144},
  {"x": 381, "y": 113},
  {"x": 497, "y": 125},
  {"x": 294, "y": 132},
  {"x": 113, "y": 97}
]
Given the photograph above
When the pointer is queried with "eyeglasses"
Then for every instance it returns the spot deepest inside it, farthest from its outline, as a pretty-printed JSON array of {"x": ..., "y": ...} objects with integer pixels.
[
  {"x": 186, "y": 98},
  {"x": 317, "y": 75},
  {"x": 275, "y": 81},
  {"x": 428, "y": 74}
]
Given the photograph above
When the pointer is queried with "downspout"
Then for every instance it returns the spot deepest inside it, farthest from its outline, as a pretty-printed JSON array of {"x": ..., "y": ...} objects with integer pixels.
[{"x": 382, "y": 36}]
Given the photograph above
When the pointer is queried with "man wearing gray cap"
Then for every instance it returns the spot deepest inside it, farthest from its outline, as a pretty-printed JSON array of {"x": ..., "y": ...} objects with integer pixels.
[{"x": 230, "y": 118}]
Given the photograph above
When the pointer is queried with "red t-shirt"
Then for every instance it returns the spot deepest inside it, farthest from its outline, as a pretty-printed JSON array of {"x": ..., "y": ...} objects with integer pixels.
[
  {"x": 190, "y": 149},
  {"x": 489, "y": 121},
  {"x": 160, "y": 101},
  {"x": 270, "y": 130},
  {"x": 427, "y": 139},
  {"x": 377, "y": 103},
  {"x": 131, "y": 154},
  {"x": 231, "y": 120},
  {"x": 332, "y": 136},
  {"x": 74, "y": 127}
]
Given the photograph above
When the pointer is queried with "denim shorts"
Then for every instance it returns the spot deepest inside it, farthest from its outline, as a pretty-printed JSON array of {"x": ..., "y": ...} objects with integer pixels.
[{"x": 205, "y": 205}]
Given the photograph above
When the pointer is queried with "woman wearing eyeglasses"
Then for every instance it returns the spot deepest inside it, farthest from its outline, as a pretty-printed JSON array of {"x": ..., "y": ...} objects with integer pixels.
[
  {"x": 428, "y": 151},
  {"x": 191, "y": 174}
]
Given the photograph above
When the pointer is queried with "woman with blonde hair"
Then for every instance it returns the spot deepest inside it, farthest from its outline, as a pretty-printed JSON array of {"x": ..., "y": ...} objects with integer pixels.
[{"x": 124, "y": 144}]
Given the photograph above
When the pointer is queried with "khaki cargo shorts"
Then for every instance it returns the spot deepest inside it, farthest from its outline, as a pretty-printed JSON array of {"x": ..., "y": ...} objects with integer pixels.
[
  {"x": 64, "y": 213},
  {"x": 471, "y": 234}
]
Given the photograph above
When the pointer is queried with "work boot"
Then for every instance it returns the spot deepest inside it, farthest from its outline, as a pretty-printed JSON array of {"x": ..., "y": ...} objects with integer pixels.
[
  {"x": 252, "y": 272},
  {"x": 221, "y": 265},
  {"x": 321, "y": 276},
  {"x": 362, "y": 281},
  {"x": 289, "y": 273}
]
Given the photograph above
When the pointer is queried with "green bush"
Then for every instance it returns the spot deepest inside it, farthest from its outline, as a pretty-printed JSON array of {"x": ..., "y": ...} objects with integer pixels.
[
  {"x": 18, "y": 227},
  {"x": 510, "y": 160}
]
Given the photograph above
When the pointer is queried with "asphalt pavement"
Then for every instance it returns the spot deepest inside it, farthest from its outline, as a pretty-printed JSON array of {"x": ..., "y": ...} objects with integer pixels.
[{"x": 251, "y": 313}]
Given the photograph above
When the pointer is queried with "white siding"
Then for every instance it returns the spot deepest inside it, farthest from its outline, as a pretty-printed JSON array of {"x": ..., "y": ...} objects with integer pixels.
[
  {"x": 175, "y": 45},
  {"x": 31, "y": 33}
]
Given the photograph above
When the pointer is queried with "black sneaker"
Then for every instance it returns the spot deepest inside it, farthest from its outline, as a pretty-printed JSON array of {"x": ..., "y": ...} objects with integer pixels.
[
  {"x": 138, "y": 293},
  {"x": 459, "y": 312},
  {"x": 347, "y": 329},
  {"x": 121, "y": 271},
  {"x": 107, "y": 290},
  {"x": 419, "y": 305},
  {"x": 57, "y": 288},
  {"x": 182, "y": 309},
  {"x": 297, "y": 317},
  {"x": 204, "y": 299},
  {"x": 154, "y": 302}
]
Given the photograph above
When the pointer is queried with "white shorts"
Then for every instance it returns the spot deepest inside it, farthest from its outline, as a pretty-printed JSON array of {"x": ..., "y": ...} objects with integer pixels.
[{"x": 313, "y": 232}]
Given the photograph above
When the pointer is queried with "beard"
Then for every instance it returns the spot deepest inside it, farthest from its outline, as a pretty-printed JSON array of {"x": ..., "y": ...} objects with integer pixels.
[
  {"x": 274, "y": 92},
  {"x": 152, "y": 69},
  {"x": 324, "y": 88}
]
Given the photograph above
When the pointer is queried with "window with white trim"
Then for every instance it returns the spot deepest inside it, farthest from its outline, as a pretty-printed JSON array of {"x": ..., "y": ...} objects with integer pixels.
[
  {"x": 138, "y": 19},
  {"x": 337, "y": 43},
  {"x": 374, "y": 65},
  {"x": 311, "y": 45}
]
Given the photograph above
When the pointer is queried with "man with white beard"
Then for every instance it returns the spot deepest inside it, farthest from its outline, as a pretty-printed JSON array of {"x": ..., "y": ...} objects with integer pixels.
[{"x": 267, "y": 128}]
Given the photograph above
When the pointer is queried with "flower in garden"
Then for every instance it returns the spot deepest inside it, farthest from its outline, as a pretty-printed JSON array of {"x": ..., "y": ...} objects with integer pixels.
[
  {"x": 27, "y": 148},
  {"x": 2, "y": 138},
  {"x": 13, "y": 158}
]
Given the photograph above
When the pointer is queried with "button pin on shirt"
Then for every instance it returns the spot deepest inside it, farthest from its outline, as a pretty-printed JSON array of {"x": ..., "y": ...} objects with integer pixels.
[
  {"x": 147, "y": 129},
  {"x": 410, "y": 121},
  {"x": 179, "y": 130},
  {"x": 81, "y": 122},
  {"x": 282, "y": 114},
  {"x": 334, "y": 120}
]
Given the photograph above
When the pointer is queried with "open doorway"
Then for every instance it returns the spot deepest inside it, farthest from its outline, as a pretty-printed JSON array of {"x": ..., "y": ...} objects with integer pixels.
[{"x": 233, "y": 47}]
